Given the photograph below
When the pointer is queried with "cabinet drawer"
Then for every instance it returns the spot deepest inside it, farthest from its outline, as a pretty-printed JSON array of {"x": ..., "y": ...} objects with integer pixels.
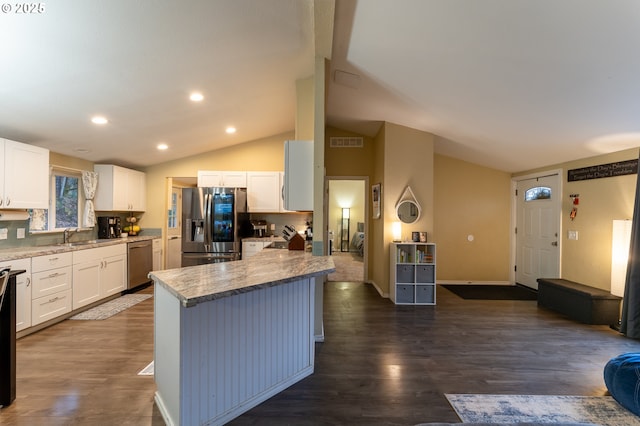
[
  {"x": 404, "y": 273},
  {"x": 405, "y": 293},
  {"x": 91, "y": 254},
  {"x": 425, "y": 294},
  {"x": 51, "y": 261},
  {"x": 48, "y": 282},
  {"x": 253, "y": 245},
  {"x": 49, "y": 307},
  {"x": 425, "y": 273}
]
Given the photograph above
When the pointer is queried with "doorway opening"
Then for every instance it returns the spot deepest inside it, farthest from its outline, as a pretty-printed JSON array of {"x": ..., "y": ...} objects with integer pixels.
[{"x": 346, "y": 221}]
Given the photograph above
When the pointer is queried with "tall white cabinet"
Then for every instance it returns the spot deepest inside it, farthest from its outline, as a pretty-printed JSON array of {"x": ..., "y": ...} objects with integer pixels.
[{"x": 413, "y": 273}]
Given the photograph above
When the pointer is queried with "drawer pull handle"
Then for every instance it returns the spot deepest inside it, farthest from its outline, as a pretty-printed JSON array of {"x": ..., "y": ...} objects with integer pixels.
[
  {"x": 55, "y": 274},
  {"x": 54, "y": 299},
  {"x": 53, "y": 259}
]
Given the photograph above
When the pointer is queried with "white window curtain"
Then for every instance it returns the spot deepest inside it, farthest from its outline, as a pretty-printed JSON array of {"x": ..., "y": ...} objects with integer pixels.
[{"x": 89, "y": 184}]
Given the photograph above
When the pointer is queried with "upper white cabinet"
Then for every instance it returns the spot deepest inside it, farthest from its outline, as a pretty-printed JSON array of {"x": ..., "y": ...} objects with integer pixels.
[
  {"x": 221, "y": 179},
  {"x": 298, "y": 175},
  {"x": 263, "y": 192},
  {"x": 24, "y": 181},
  {"x": 120, "y": 189},
  {"x": 281, "y": 194}
]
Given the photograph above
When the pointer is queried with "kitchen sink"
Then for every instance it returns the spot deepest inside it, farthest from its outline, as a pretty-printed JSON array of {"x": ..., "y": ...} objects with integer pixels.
[{"x": 79, "y": 243}]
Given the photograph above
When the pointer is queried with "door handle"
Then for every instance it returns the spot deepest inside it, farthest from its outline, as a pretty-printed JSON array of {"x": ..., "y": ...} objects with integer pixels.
[{"x": 555, "y": 243}]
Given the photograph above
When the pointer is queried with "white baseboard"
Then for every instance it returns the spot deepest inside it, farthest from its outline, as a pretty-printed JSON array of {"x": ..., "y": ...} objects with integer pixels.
[
  {"x": 459, "y": 282},
  {"x": 378, "y": 289}
]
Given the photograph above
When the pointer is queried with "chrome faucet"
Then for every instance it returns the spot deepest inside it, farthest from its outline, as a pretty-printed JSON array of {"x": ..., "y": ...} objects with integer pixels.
[{"x": 67, "y": 233}]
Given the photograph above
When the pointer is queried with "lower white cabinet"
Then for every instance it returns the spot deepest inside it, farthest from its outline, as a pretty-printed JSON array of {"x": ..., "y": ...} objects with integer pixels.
[
  {"x": 250, "y": 248},
  {"x": 23, "y": 292},
  {"x": 413, "y": 273},
  {"x": 51, "y": 287},
  {"x": 156, "y": 245},
  {"x": 98, "y": 273}
]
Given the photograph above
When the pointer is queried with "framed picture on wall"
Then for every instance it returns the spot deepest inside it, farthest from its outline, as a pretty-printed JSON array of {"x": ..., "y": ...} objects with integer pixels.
[{"x": 376, "y": 199}]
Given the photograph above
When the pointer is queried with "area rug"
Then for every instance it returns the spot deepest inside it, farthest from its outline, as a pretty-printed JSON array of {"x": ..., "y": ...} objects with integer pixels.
[
  {"x": 492, "y": 292},
  {"x": 111, "y": 307},
  {"x": 147, "y": 371},
  {"x": 349, "y": 267},
  {"x": 598, "y": 410}
]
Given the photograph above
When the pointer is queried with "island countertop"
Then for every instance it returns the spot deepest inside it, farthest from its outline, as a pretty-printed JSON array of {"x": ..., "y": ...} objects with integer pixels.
[{"x": 197, "y": 284}]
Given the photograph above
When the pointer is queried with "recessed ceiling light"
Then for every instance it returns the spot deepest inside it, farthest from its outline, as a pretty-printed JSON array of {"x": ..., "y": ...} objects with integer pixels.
[
  {"x": 196, "y": 96},
  {"x": 231, "y": 130},
  {"x": 82, "y": 150},
  {"x": 162, "y": 146},
  {"x": 98, "y": 119}
]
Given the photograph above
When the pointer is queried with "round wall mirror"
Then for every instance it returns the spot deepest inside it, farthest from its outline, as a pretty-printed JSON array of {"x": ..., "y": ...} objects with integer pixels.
[{"x": 408, "y": 211}]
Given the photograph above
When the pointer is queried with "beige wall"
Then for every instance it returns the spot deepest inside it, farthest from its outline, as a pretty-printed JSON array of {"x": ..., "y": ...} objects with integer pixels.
[
  {"x": 408, "y": 160},
  {"x": 261, "y": 155},
  {"x": 61, "y": 160},
  {"x": 588, "y": 260},
  {"x": 471, "y": 200},
  {"x": 349, "y": 161}
]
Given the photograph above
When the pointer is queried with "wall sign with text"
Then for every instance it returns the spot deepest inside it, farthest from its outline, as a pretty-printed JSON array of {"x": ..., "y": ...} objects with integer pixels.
[{"x": 620, "y": 168}]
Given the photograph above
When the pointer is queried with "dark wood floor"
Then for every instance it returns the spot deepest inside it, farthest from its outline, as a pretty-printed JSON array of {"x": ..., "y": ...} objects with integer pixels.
[{"x": 380, "y": 364}]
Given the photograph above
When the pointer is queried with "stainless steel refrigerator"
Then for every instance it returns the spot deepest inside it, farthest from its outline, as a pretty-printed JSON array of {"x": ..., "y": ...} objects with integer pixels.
[{"x": 213, "y": 222}]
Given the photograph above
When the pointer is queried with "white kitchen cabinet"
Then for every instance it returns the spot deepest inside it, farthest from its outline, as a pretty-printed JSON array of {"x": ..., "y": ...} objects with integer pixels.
[
  {"x": 250, "y": 248},
  {"x": 23, "y": 291},
  {"x": 221, "y": 179},
  {"x": 156, "y": 246},
  {"x": 120, "y": 189},
  {"x": 263, "y": 192},
  {"x": 24, "y": 180},
  {"x": 98, "y": 273},
  {"x": 281, "y": 208},
  {"x": 298, "y": 175},
  {"x": 51, "y": 277}
]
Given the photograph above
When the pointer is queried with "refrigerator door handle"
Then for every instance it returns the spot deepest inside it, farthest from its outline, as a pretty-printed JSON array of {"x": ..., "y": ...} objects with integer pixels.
[{"x": 208, "y": 200}]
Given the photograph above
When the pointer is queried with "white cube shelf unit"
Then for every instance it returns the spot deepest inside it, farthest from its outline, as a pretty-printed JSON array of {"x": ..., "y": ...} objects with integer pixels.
[{"x": 413, "y": 273}]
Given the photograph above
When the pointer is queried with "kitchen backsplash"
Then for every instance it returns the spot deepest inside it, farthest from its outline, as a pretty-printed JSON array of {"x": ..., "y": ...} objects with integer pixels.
[
  {"x": 49, "y": 238},
  {"x": 298, "y": 220}
]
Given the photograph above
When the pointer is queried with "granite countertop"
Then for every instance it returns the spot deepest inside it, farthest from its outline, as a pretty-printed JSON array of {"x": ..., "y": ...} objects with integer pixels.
[
  {"x": 14, "y": 253},
  {"x": 263, "y": 239},
  {"x": 202, "y": 283}
]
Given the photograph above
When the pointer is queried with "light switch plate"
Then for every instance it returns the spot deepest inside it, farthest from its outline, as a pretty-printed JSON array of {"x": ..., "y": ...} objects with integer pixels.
[
  {"x": 20, "y": 233},
  {"x": 4, "y": 233}
]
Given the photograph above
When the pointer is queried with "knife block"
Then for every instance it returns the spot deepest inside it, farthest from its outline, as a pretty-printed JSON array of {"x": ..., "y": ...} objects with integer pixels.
[{"x": 296, "y": 242}]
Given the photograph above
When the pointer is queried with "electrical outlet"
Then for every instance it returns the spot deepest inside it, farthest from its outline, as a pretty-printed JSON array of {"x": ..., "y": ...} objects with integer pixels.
[
  {"x": 20, "y": 233},
  {"x": 4, "y": 233},
  {"x": 572, "y": 235}
]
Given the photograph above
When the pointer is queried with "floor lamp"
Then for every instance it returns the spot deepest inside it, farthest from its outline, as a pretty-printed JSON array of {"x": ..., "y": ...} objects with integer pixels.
[
  {"x": 620, "y": 240},
  {"x": 344, "y": 236}
]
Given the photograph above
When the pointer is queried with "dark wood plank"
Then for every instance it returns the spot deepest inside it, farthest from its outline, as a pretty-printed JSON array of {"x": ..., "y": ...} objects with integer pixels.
[{"x": 380, "y": 363}]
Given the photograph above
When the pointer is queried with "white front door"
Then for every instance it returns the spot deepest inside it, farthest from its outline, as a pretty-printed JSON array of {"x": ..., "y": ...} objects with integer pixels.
[{"x": 537, "y": 229}]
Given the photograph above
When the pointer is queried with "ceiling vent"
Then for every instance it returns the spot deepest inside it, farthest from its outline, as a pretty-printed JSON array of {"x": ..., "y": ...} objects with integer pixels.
[{"x": 346, "y": 142}]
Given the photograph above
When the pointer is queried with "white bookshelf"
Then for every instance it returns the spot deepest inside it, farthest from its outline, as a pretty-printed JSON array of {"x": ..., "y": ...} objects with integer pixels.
[{"x": 413, "y": 273}]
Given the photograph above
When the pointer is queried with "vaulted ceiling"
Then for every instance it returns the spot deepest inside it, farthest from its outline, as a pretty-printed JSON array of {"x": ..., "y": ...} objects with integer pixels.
[{"x": 508, "y": 84}]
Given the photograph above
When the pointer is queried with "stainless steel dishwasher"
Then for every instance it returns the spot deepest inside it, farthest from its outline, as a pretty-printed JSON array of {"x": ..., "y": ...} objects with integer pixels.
[{"x": 140, "y": 263}]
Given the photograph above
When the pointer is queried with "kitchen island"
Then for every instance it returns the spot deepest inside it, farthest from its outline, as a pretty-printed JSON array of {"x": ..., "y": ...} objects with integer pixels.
[{"x": 230, "y": 335}]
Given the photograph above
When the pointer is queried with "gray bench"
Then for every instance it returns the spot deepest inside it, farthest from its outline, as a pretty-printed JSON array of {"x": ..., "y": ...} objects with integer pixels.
[{"x": 580, "y": 302}]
